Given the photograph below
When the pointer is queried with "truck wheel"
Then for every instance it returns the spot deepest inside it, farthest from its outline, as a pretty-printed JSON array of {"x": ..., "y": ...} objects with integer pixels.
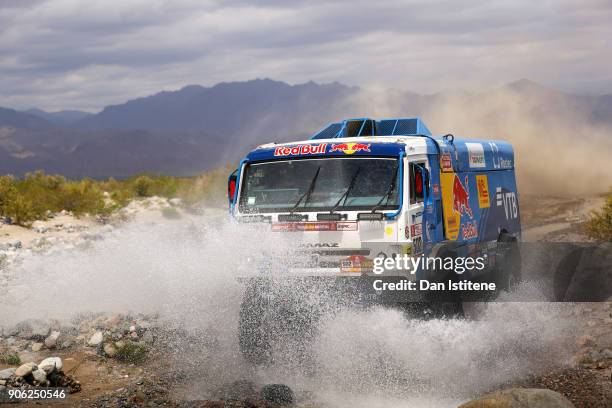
[
  {"x": 509, "y": 269},
  {"x": 450, "y": 305},
  {"x": 267, "y": 326},
  {"x": 253, "y": 329}
]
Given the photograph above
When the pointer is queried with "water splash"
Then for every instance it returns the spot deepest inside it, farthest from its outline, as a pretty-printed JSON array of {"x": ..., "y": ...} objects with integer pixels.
[{"x": 187, "y": 273}]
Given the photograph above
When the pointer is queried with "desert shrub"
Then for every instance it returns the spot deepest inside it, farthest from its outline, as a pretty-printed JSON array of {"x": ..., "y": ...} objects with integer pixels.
[
  {"x": 7, "y": 192},
  {"x": 143, "y": 186},
  {"x": 10, "y": 359},
  {"x": 599, "y": 226},
  {"x": 130, "y": 352},
  {"x": 82, "y": 197},
  {"x": 20, "y": 210},
  {"x": 29, "y": 198}
]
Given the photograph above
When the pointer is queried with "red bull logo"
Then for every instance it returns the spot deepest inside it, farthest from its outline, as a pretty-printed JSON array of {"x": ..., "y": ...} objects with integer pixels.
[
  {"x": 461, "y": 197},
  {"x": 349, "y": 148},
  {"x": 300, "y": 149}
]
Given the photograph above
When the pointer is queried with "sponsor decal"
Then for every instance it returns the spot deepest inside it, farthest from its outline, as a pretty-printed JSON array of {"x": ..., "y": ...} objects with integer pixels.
[
  {"x": 508, "y": 201},
  {"x": 436, "y": 189},
  {"x": 349, "y": 148},
  {"x": 416, "y": 229},
  {"x": 356, "y": 263},
  {"x": 482, "y": 185},
  {"x": 461, "y": 197},
  {"x": 346, "y": 226},
  {"x": 314, "y": 226},
  {"x": 446, "y": 162},
  {"x": 299, "y": 150},
  {"x": 476, "y": 155},
  {"x": 499, "y": 162},
  {"x": 469, "y": 230}
]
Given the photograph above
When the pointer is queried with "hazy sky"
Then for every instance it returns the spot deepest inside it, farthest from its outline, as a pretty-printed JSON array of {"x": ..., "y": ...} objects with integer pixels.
[{"x": 85, "y": 54}]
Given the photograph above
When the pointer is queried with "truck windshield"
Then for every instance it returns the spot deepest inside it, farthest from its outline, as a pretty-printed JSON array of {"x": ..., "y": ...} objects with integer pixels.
[{"x": 350, "y": 184}]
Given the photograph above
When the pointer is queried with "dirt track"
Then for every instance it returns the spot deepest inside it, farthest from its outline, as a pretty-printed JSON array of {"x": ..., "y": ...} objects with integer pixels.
[{"x": 167, "y": 380}]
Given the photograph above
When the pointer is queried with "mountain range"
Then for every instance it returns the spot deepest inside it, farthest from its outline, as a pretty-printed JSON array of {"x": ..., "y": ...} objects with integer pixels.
[{"x": 198, "y": 128}]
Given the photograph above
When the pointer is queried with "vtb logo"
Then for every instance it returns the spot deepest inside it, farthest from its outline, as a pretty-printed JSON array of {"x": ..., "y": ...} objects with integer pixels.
[
  {"x": 349, "y": 148},
  {"x": 507, "y": 199}
]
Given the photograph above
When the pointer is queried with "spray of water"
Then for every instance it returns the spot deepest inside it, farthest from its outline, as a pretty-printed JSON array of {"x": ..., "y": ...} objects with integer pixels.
[{"x": 187, "y": 273}]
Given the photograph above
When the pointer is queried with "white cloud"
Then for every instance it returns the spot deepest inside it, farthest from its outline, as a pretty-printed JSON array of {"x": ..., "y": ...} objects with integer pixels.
[{"x": 75, "y": 54}]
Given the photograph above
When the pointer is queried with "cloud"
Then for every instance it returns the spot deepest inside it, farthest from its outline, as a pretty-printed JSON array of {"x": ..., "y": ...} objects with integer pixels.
[{"x": 73, "y": 54}]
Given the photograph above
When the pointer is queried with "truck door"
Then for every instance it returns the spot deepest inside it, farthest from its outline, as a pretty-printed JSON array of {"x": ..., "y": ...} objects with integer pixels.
[{"x": 418, "y": 186}]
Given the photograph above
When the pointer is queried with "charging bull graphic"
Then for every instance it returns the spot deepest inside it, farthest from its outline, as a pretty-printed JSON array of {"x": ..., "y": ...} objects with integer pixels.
[
  {"x": 349, "y": 148},
  {"x": 461, "y": 197}
]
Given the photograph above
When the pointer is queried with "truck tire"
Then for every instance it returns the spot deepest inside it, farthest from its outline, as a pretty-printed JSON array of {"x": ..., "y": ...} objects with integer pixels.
[
  {"x": 253, "y": 328},
  {"x": 267, "y": 324},
  {"x": 450, "y": 306},
  {"x": 509, "y": 262}
]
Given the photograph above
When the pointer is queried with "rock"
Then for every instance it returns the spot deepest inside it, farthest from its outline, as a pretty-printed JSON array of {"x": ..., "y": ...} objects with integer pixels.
[
  {"x": 25, "y": 369},
  {"x": 175, "y": 202},
  {"x": 520, "y": 398},
  {"x": 585, "y": 341},
  {"x": 66, "y": 344},
  {"x": 96, "y": 339},
  {"x": 39, "y": 227},
  {"x": 51, "y": 364},
  {"x": 39, "y": 376},
  {"x": 110, "y": 350},
  {"x": 37, "y": 347},
  {"x": 112, "y": 322},
  {"x": 33, "y": 330},
  {"x": 278, "y": 394},
  {"x": 51, "y": 341},
  {"x": 7, "y": 373}
]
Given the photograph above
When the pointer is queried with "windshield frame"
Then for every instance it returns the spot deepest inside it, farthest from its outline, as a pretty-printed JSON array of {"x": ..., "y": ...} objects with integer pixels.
[{"x": 395, "y": 207}]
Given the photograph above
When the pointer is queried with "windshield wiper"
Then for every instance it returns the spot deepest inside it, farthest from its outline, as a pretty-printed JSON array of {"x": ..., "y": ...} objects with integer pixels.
[
  {"x": 346, "y": 192},
  {"x": 388, "y": 192},
  {"x": 307, "y": 193}
]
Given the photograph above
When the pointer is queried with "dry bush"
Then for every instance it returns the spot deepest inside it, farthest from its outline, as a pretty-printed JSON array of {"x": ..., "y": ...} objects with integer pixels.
[{"x": 599, "y": 227}]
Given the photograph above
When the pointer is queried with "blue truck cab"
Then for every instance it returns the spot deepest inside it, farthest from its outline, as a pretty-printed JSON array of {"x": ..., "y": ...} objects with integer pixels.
[{"x": 363, "y": 189}]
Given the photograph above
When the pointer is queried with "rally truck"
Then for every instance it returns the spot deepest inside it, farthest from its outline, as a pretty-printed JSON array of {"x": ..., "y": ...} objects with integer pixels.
[{"x": 361, "y": 190}]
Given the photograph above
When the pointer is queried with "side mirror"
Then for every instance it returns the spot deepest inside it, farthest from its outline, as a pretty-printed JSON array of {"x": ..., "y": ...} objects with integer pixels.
[{"x": 232, "y": 182}]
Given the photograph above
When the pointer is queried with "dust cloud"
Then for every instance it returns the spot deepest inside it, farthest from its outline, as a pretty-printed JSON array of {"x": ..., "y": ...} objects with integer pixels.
[{"x": 559, "y": 149}]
